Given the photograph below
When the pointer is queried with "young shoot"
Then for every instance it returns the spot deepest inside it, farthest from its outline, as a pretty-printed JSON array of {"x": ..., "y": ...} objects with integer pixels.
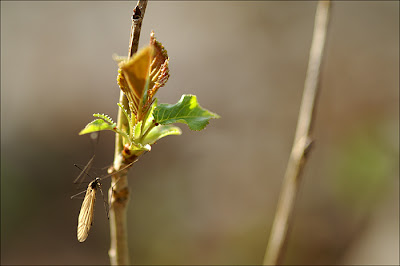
[{"x": 140, "y": 77}]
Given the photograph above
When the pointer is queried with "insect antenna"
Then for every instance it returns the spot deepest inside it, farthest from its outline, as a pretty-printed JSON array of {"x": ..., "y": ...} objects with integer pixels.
[
  {"x": 119, "y": 178},
  {"x": 94, "y": 137},
  {"x": 77, "y": 194},
  {"x": 120, "y": 170},
  {"x": 84, "y": 171}
]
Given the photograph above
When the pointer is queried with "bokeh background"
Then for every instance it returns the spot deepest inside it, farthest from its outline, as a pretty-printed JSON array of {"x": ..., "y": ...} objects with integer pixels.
[{"x": 204, "y": 197}]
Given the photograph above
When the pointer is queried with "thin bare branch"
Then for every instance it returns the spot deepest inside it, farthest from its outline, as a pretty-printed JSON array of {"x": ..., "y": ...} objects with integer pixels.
[
  {"x": 119, "y": 191},
  {"x": 284, "y": 214}
]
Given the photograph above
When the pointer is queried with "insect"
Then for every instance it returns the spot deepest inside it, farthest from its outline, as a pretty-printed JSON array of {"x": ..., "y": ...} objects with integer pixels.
[{"x": 85, "y": 218}]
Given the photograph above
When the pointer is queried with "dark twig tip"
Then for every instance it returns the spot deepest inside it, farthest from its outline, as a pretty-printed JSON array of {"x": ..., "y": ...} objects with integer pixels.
[{"x": 137, "y": 14}]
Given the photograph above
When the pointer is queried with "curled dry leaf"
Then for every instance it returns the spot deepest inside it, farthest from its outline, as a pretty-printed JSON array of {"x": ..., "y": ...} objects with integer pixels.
[{"x": 141, "y": 76}]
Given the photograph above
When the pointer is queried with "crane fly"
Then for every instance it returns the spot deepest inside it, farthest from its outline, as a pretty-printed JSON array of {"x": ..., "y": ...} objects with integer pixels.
[{"x": 85, "y": 218}]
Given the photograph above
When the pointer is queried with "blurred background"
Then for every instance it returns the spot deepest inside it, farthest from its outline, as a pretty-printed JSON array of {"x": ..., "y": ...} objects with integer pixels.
[{"x": 204, "y": 197}]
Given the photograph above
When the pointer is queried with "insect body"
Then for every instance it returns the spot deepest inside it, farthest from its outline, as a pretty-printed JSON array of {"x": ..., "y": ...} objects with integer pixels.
[{"x": 85, "y": 218}]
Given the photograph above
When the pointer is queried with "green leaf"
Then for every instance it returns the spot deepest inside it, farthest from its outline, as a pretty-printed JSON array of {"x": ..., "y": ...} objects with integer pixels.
[
  {"x": 187, "y": 111},
  {"x": 148, "y": 120},
  {"x": 138, "y": 130},
  {"x": 161, "y": 131},
  {"x": 97, "y": 125}
]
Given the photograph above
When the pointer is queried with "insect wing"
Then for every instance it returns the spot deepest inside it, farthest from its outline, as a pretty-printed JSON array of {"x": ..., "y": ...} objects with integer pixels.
[{"x": 85, "y": 218}]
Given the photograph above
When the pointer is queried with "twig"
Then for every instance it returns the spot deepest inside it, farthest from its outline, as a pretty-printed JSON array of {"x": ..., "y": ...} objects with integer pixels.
[
  {"x": 302, "y": 141},
  {"x": 119, "y": 191}
]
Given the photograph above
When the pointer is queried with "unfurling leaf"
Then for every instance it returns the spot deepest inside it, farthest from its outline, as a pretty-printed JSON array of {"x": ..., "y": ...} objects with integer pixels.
[
  {"x": 133, "y": 74},
  {"x": 142, "y": 75},
  {"x": 159, "y": 72},
  {"x": 187, "y": 111}
]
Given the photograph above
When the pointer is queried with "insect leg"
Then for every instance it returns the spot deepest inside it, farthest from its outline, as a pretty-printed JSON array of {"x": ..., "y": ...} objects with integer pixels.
[{"x": 106, "y": 206}]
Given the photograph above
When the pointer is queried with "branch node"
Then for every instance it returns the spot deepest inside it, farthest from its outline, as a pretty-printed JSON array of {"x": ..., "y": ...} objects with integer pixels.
[{"x": 302, "y": 144}]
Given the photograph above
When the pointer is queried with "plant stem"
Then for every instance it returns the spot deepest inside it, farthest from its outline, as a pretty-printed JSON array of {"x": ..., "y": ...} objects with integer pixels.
[
  {"x": 119, "y": 191},
  {"x": 284, "y": 214}
]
